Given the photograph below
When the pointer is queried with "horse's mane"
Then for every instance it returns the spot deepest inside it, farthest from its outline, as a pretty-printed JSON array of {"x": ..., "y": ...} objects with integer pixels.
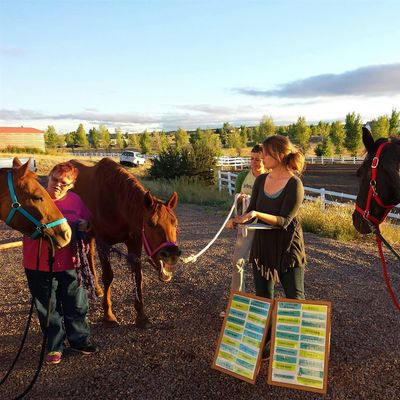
[
  {"x": 128, "y": 187},
  {"x": 123, "y": 182}
]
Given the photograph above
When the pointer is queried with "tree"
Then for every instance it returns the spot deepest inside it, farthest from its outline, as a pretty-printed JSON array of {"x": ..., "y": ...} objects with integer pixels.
[
  {"x": 105, "y": 138},
  {"x": 195, "y": 161},
  {"x": 380, "y": 127},
  {"x": 94, "y": 136},
  {"x": 282, "y": 130},
  {"x": 51, "y": 138},
  {"x": 195, "y": 136},
  {"x": 338, "y": 135},
  {"x": 394, "y": 122},
  {"x": 81, "y": 138},
  {"x": 181, "y": 139},
  {"x": 325, "y": 148},
  {"x": 118, "y": 138},
  {"x": 159, "y": 141},
  {"x": 235, "y": 141},
  {"x": 212, "y": 140},
  {"x": 244, "y": 134},
  {"x": 70, "y": 139},
  {"x": 133, "y": 140},
  {"x": 145, "y": 142},
  {"x": 223, "y": 133},
  {"x": 353, "y": 129},
  {"x": 322, "y": 129},
  {"x": 301, "y": 133},
  {"x": 267, "y": 128}
]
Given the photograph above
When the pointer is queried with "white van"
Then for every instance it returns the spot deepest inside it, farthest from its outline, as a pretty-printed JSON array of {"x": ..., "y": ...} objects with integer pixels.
[
  {"x": 8, "y": 162},
  {"x": 131, "y": 158}
]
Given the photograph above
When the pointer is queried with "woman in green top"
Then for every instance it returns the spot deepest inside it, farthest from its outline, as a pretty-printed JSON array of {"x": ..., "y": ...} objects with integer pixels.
[{"x": 278, "y": 255}]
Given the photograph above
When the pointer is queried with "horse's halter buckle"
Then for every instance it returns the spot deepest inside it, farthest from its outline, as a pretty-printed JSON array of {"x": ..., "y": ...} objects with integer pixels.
[
  {"x": 373, "y": 194},
  {"x": 16, "y": 206}
]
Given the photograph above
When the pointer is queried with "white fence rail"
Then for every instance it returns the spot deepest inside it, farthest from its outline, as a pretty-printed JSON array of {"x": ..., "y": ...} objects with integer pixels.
[
  {"x": 226, "y": 180},
  {"x": 244, "y": 162}
]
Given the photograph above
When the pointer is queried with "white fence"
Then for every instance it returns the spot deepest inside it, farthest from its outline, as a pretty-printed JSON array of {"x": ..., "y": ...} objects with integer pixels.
[
  {"x": 244, "y": 162},
  {"x": 226, "y": 180}
]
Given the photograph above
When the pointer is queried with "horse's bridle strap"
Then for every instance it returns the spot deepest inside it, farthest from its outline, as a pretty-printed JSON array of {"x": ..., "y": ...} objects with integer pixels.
[
  {"x": 147, "y": 246},
  {"x": 372, "y": 193},
  {"x": 16, "y": 206}
]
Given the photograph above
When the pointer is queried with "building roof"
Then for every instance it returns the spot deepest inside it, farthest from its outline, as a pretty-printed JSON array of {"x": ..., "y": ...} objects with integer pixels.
[{"x": 18, "y": 129}]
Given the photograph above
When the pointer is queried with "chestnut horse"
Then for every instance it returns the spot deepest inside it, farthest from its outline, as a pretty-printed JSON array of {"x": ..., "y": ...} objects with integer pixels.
[
  {"x": 379, "y": 177},
  {"x": 26, "y": 206},
  {"x": 124, "y": 212}
]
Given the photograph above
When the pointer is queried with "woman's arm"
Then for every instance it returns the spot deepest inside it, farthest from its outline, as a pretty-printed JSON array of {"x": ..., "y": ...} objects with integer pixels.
[{"x": 290, "y": 206}]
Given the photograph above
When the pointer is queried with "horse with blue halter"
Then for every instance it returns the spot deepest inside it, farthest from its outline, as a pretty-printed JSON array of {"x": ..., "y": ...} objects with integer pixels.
[
  {"x": 123, "y": 211},
  {"x": 379, "y": 192},
  {"x": 26, "y": 206}
]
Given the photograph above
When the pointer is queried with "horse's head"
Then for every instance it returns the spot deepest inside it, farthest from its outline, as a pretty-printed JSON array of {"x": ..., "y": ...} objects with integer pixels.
[
  {"x": 379, "y": 182},
  {"x": 27, "y": 207},
  {"x": 159, "y": 234}
]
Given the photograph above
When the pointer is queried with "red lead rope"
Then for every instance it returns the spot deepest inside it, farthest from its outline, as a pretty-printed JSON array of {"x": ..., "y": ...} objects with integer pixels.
[{"x": 385, "y": 274}]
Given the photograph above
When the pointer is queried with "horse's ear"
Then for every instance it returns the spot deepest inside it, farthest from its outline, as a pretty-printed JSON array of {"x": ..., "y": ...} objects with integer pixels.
[
  {"x": 148, "y": 200},
  {"x": 368, "y": 140},
  {"x": 173, "y": 201},
  {"x": 16, "y": 162},
  {"x": 22, "y": 169}
]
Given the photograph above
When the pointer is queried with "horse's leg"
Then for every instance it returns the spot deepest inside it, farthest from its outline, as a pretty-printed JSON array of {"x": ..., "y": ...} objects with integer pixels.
[
  {"x": 135, "y": 248},
  {"x": 107, "y": 278},
  {"x": 92, "y": 265}
]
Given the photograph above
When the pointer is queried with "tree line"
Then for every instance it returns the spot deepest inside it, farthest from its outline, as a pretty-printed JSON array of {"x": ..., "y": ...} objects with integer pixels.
[{"x": 333, "y": 137}]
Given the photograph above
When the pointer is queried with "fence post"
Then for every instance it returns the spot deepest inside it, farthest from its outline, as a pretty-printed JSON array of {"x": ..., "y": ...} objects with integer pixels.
[
  {"x": 322, "y": 199},
  {"x": 219, "y": 180}
]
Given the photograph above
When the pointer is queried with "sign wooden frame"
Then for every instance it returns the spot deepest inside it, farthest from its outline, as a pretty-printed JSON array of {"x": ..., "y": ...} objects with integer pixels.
[
  {"x": 252, "y": 342},
  {"x": 315, "y": 354}
]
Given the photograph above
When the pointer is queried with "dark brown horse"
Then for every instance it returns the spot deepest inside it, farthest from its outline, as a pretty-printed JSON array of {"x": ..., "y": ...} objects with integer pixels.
[
  {"x": 26, "y": 206},
  {"x": 124, "y": 212},
  {"x": 379, "y": 182}
]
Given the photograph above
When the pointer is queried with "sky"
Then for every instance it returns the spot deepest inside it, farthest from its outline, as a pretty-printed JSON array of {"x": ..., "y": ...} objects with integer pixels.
[{"x": 161, "y": 65}]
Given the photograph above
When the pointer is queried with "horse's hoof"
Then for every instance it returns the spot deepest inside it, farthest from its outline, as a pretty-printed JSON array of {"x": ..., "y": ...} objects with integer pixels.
[{"x": 143, "y": 323}]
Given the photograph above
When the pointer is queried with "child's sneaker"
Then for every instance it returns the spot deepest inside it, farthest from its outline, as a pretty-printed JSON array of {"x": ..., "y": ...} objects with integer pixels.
[
  {"x": 86, "y": 348},
  {"x": 54, "y": 357}
]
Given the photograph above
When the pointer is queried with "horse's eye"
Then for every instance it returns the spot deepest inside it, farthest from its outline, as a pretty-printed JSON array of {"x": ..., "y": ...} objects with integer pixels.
[{"x": 37, "y": 198}]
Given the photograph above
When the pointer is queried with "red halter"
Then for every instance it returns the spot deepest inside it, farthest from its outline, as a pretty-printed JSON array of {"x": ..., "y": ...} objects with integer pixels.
[{"x": 372, "y": 193}]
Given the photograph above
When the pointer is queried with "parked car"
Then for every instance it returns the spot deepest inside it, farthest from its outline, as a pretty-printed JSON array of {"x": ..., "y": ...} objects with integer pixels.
[
  {"x": 8, "y": 162},
  {"x": 131, "y": 158}
]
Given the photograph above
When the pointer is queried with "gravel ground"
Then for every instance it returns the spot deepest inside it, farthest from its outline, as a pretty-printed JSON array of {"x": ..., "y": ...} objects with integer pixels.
[{"x": 172, "y": 359}]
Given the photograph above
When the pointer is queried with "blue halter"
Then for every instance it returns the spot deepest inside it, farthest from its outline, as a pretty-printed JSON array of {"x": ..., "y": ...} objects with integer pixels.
[{"x": 15, "y": 206}]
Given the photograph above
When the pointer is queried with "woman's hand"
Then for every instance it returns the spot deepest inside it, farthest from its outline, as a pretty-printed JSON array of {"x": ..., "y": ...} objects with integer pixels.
[
  {"x": 241, "y": 219},
  {"x": 230, "y": 224}
]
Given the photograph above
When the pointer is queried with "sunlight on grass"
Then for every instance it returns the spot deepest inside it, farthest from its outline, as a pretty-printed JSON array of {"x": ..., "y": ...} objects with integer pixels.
[
  {"x": 336, "y": 222},
  {"x": 190, "y": 191}
]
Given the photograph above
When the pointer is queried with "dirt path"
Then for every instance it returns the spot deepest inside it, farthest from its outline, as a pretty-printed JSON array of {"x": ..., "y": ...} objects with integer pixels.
[{"x": 172, "y": 359}]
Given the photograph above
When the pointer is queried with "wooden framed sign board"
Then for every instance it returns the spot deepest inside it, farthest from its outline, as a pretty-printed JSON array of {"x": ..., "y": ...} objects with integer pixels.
[
  {"x": 242, "y": 336},
  {"x": 300, "y": 344}
]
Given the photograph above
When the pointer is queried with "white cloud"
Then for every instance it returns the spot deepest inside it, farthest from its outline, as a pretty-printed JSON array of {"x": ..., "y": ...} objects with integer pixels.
[{"x": 373, "y": 80}]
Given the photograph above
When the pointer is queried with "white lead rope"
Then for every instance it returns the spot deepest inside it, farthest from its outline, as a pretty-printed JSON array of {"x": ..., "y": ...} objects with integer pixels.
[{"x": 193, "y": 258}]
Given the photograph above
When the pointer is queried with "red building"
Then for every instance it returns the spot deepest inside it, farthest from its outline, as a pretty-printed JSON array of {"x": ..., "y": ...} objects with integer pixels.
[{"x": 21, "y": 137}]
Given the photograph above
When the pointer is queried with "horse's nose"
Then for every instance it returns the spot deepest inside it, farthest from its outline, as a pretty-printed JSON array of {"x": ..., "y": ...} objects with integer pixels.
[{"x": 170, "y": 252}]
